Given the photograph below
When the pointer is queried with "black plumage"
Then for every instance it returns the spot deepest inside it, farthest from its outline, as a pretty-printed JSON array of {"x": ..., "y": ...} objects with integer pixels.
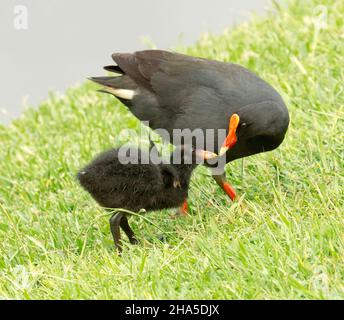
[
  {"x": 122, "y": 180},
  {"x": 176, "y": 91}
]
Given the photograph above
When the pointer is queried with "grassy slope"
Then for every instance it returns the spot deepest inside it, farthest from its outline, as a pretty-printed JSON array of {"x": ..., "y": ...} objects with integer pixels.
[{"x": 283, "y": 239}]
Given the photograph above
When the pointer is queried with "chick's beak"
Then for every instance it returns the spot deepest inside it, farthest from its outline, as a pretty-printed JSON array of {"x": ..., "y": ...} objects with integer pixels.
[
  {"x": 176, "y": 184},
  {"x": 231, "y": 138}
]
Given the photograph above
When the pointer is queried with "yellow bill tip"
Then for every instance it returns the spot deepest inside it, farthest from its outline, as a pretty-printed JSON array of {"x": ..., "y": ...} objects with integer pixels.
[{"x": 223, "y": 150}]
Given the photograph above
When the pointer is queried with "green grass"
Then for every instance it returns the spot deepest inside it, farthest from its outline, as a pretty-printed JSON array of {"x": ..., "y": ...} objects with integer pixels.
[{"x": 282, "y": 239}]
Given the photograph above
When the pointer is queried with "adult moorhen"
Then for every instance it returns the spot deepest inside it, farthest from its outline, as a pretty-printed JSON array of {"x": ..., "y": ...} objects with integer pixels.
[{"x": 176, "y": 91}]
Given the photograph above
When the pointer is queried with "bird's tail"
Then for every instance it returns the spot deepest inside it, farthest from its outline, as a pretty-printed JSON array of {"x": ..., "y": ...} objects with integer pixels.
[{"x": 121, "y": 87}]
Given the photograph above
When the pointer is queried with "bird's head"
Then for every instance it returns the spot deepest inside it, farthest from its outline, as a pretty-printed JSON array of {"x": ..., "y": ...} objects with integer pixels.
[{"x": 254, "y": 129}]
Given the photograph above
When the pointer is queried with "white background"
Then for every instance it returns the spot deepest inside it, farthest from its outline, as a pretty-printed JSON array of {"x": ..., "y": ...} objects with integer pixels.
[{"x": 67, "y": 41}]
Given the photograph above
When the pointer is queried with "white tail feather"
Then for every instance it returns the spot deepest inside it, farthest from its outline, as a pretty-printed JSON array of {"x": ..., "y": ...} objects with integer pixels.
[{"x": 121, "y": 93}]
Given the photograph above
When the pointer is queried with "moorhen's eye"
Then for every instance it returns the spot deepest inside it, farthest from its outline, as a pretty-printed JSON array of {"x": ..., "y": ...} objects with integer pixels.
[{"x": 243, "y": 125}]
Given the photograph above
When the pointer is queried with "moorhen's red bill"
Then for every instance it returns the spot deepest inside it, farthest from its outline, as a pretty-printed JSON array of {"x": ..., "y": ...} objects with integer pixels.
[{"x": 176, "y": 91}]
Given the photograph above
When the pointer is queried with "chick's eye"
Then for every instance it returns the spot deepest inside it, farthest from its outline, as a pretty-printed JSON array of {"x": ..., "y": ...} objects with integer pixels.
[{"x": 243, "y": 125}]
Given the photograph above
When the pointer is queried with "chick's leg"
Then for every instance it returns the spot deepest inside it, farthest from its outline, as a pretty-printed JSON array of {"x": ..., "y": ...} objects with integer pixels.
[
  {"x": 115, "y": 221},
  {"x": 128, "y": 231}
]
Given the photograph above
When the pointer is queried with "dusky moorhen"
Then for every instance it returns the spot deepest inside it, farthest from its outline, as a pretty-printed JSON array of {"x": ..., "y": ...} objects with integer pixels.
[
  {"x": 121, "y": 180},
  {"x": 176, "y": 91}
]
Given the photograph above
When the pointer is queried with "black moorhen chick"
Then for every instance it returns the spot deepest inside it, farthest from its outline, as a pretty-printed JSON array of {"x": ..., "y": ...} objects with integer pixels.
[
  {"x": 123, "y": 180},
  {"x": 176, "y": 91}
]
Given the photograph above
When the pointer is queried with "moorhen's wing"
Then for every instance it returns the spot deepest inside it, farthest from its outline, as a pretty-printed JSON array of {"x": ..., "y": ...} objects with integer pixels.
[
  {"x": 175, "y": 91},
  {"x": 178, "y": 91}
]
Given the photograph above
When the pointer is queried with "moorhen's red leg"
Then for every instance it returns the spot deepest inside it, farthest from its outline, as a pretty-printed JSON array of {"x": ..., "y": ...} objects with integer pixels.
[
  {"x": 229, "y": 143},
  {"x": 221, "y": 181},
  {"x": 184, "y": 208},
  {"x": 182, "y": 211}
]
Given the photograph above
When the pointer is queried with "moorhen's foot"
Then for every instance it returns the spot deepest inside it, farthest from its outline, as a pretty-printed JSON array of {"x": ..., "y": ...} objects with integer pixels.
[{"x": 115, "y": 221}]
